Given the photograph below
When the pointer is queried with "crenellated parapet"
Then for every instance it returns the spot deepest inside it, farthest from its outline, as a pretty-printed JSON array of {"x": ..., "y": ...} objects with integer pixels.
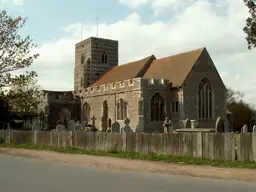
[{"x": 126, "y": 85}]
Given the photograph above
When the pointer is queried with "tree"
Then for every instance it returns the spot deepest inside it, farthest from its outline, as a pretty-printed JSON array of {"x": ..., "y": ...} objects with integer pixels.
[
  {"x": 25, "y": 94},
  {"x": 15, "y": 52},
  {"x": 233, "y": 95},
  {"x": 250, "y": 28},
  {"x": 242, "y": 112}
]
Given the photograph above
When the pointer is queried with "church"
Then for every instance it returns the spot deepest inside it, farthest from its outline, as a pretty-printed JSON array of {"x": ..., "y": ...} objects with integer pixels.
[{"x": 141, "y": 93}]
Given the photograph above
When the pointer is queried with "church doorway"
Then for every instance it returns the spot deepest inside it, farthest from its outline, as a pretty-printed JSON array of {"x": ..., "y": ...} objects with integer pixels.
[{"x": 105, "y": 116}]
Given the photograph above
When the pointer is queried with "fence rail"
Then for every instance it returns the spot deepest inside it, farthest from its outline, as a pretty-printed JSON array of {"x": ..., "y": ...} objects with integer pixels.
[{"x": 216, "y": 146}]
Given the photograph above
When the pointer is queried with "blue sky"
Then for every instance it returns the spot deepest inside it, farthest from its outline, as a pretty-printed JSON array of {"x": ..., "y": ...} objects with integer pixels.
[
  {"x": 142, "y": 27},
  {"x": 48, "y": 18}
]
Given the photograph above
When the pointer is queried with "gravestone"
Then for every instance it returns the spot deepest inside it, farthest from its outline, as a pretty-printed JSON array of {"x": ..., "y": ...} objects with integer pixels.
[
  {"x": 93, "y": 128},
  {"x": 85, "y": 123},
  {"x": 254, "y": 129},
  {"x": 170, "y": 126},
  {"x": 139, "y": 127},
  {"x": 244, "y": 129},
  {"x": 219, "y": 126},
  {"x": 77, "y": 127},
  {"x": 126, "y": 128},
  {"x": 36, "y": 127},
  {"x": 71, "y": 125},
  {"x": 116, "y": 127},
  {"x": 187, "y": 123},
  {"x": 60, "y": 128},
  {"x": 109, "y": 130}
]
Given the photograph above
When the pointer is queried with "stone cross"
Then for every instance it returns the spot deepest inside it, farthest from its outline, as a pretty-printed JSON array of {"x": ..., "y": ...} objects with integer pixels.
[
  {"x": 254, "y": 129},
  {"x": 93, "y": 128}
]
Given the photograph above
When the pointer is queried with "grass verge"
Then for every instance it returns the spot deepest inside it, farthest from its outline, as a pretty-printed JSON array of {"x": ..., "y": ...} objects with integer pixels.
[{"x": 150, "y": 156}]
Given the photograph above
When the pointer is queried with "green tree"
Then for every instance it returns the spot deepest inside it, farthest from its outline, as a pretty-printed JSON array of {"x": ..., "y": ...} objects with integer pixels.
[
  {"x": 15, "y": 51},
  {"x": 250, "y": 28},
  {"x": 242, "y": 112},
  {"x": 25, "y": 94}
]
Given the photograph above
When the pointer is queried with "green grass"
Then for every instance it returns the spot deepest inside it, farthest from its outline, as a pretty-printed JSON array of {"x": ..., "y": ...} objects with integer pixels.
[{"x": 150, "y": 157}]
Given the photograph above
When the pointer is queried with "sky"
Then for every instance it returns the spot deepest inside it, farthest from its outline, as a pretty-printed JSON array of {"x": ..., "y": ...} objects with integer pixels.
[{"x": 142, "y": 27}]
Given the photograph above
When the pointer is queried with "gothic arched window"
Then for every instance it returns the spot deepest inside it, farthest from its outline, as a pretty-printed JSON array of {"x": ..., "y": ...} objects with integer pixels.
[
  {"x": 82, "y": 59},
  {"x": 157, "y": 111},
  {"x": 205, "y": 99},
  {"x": 121, "y": 109},
  {"x": 104, "y": 57}
]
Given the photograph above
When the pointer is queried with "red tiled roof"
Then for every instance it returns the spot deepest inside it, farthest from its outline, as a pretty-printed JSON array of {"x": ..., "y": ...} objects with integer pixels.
[
  {"x": 125, "y": 71},
  {"x": 175, "y": 68}
]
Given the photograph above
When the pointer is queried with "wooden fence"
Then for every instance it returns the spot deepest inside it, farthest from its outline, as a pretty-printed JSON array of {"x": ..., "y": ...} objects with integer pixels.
[{"x": 217, "y": 146}]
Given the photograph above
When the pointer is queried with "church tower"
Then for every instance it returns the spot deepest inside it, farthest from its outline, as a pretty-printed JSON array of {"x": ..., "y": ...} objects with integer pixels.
[{"x": 93, "y": 58}]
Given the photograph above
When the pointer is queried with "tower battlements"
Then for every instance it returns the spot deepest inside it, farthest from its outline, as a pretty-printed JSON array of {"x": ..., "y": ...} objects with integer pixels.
[{"x": 126, "y": 85}]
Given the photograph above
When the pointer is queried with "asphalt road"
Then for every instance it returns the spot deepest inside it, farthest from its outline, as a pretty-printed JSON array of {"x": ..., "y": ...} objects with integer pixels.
[{"x": 27, "y": 175}]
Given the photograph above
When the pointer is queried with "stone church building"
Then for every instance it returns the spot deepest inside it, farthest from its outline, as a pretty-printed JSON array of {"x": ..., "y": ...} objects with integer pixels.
[{"x": 144, "y": 92}]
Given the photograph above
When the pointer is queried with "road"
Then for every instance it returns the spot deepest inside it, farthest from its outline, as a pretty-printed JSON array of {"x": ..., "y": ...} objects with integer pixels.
[{"x": 30, "y": 175}]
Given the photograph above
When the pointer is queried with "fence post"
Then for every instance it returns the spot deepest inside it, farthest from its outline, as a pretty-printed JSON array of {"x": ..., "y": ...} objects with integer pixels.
[
  {"x": 254, "y": 147},
  {"x": 124, "y": 141}
]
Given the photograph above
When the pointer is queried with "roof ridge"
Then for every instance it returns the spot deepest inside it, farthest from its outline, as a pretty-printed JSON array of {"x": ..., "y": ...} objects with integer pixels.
[
  {"x": 148, "y": 57},
  {"x": 186, "y": 52}
]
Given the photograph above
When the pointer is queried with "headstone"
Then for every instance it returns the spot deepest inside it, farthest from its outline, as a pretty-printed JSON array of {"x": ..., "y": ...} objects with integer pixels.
[
  {"x": 77, "y": 127},
  {"x": 244, "y": 129},
  {"x": 36, "y": 127},
  {"x": 170, "y": 126},
  {"x": 60, "y": 128},
  {"x": 139, "y": 127},
  {"x": 187, "y": 123},
  {"x": 71, "y": 125},
  {"x": 126, "y": 128},
  {"x": 109, "y": 130},
  {"x": 254, "y": 129},
  {"x": 116, "y": 127},
  {"x": 93, "y": 127},
  {"x": 85, "y": 123},
  {"x": 219, "y": 126}
]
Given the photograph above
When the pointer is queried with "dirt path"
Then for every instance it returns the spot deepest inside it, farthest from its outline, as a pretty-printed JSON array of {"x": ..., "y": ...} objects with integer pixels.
[{"x": 136, "y": 165}]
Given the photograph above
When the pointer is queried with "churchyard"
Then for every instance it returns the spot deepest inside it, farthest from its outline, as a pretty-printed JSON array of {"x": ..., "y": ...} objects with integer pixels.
[{"x": 193, "y": 142}]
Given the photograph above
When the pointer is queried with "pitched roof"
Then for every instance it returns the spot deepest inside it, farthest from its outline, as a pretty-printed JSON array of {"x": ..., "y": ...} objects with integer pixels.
[
  {"x": 175, "y": 68},
  {"x": 125, "y": 71}
]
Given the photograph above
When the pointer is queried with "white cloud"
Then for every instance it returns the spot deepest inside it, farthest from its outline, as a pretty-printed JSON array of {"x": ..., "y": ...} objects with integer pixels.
[
  {"x": 217, "y": 27},
  {"x": 15, "y": 2}
]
